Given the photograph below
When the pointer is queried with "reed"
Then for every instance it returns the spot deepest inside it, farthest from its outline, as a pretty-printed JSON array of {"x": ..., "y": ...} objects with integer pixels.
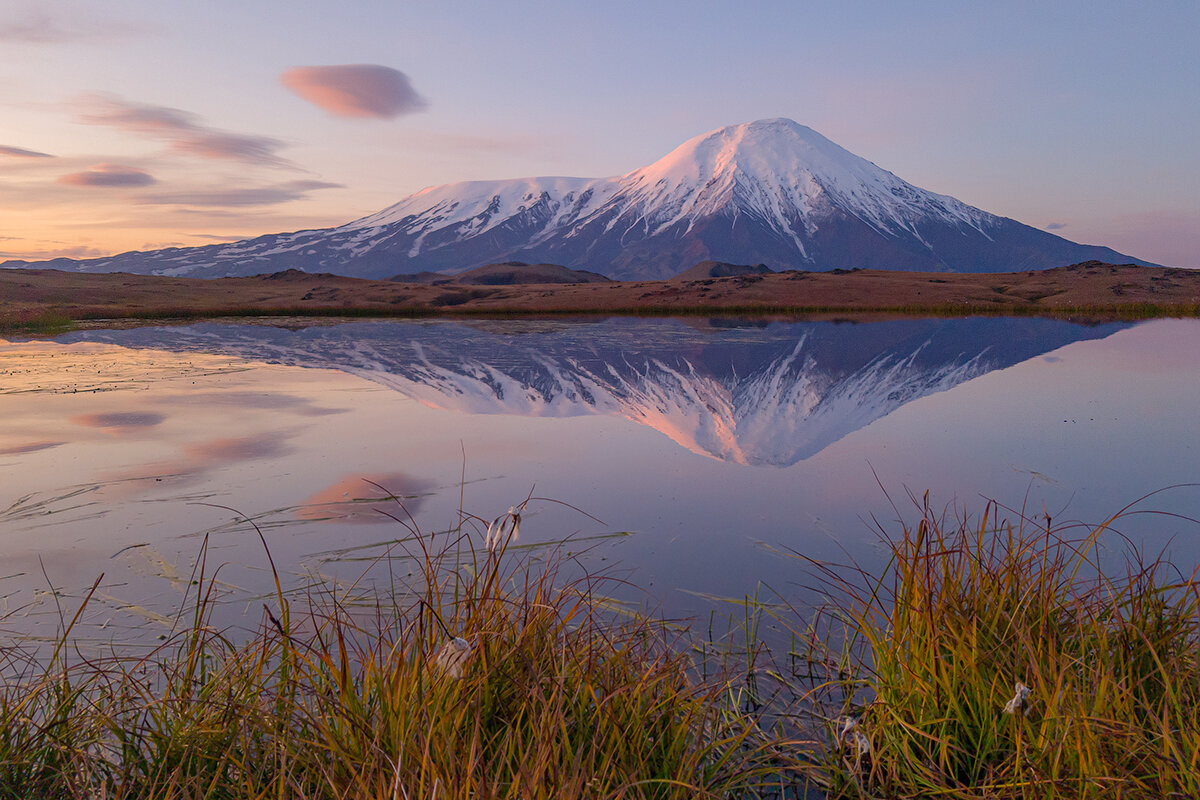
[
  {"x": 491, "y": 675},
  {"x": 989, "y": 659},
  {"x": 996, "y": 659}
]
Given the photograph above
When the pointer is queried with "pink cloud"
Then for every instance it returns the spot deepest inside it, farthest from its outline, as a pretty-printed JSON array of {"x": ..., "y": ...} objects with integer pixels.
[
  {"x": 183, "y": 130},
  {"x": 355, "y": 90},
  {"x": 109, "y": 175}
]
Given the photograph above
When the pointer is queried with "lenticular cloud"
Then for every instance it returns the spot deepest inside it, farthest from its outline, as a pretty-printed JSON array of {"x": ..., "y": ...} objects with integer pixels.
[{"x": 355, "y": 90}]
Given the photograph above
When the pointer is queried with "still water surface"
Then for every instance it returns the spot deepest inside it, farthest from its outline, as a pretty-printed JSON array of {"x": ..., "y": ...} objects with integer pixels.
[{"x": 718, "y": 447}]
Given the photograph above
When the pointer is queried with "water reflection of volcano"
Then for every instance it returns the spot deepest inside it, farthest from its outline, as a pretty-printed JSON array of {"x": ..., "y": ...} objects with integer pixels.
[{"x": 770, "y": 394}]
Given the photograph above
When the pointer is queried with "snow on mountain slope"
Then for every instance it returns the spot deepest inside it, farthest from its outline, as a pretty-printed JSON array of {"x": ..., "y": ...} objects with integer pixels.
[
  {"x": 771, "y": 191},
  {"x": 780, "y": 172}
]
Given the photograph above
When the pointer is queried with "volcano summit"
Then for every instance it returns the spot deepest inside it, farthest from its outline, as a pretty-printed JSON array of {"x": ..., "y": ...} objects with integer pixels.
[{"x": 772, "y": 192}]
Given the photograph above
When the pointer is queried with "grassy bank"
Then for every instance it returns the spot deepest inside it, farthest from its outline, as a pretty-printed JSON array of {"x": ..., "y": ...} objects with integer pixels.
[
  {"x": 997, "y": 660},
  {"x": 62, "y": 320},
  {"x": 988, "y": 660},
  {"x": 39, "y": 322}
]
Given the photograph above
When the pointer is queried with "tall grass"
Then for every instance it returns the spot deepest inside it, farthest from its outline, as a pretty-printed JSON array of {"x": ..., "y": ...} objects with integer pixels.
[
  {"x": 490, "y": 676},
  {"x": 929, "y": 655},
  {"x": 987, "y": 660}
]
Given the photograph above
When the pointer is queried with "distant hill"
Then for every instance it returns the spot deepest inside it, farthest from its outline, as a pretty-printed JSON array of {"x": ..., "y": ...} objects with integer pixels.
[
  {"x": 507, "y": 273},
  {"x": 771, "y": 191},
  {"x": 719, "y": 269}
]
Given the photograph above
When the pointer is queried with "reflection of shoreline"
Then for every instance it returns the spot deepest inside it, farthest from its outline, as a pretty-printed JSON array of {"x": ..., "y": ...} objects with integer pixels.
[{"x": 765, "y": 394}]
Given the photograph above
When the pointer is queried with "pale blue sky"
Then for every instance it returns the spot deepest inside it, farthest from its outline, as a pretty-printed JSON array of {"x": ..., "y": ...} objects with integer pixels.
[{"x": 1084, "y": 115}]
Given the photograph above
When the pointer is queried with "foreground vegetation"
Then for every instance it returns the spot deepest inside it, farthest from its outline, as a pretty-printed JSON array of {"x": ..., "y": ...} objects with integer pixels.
[
  {"x": 1014, "y": 661},
  {"x": 495, "y": 678},
  {"x": 988, "y": 660}
]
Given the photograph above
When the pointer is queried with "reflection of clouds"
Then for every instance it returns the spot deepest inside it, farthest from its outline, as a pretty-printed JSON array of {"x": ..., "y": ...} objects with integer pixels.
[
  {"x": 32, "y": 447},
  {"x": 269, "y": 401},
  {"x": 246, "y": 448},
  {"x": 355, "y": 499},
  {"x": 120, "y": 420},
  {"x": 204, "y": 457}
]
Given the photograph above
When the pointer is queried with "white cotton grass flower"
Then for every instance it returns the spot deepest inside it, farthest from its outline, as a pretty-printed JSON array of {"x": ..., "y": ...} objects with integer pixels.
[
  {"x": 453, "y": 656},
  {"x": 1019, "y": 701},
  {"x": 503, "y": 529},
  {"x": 849, "y": 732}
]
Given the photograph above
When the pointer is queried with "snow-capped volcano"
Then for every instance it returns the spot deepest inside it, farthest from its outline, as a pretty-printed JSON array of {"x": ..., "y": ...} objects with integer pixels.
[{"x": 771, "y": 191}]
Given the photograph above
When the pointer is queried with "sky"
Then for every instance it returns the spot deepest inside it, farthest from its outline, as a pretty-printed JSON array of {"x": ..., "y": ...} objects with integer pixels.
[{"x": 141, "y": 124}]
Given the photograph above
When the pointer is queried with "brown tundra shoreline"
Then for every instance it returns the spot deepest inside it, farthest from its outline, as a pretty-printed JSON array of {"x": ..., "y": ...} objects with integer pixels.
[{"x": 46, "y": 299}]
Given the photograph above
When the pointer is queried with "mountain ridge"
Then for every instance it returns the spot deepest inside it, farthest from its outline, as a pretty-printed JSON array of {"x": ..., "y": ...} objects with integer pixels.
[{"x": 770, "y": 191}]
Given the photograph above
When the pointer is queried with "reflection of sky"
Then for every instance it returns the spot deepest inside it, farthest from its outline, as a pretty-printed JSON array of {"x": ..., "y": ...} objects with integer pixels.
[{"x": 145, "y": 438}]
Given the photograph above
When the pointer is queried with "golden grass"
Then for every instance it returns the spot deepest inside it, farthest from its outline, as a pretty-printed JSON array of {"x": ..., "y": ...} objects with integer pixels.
[
  {"x": 987, "y": 660},
  {"x": 492, "y": 678},
  {"x": 1006, "y": 660}
]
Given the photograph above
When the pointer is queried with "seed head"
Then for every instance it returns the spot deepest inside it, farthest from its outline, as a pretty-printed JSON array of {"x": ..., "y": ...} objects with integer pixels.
[
  {"x": 504, "y": 529},
  {"x": 1019, "y": 701},
  {"x": 452, "y": 657},
  {"x": 849, "y": 732}
]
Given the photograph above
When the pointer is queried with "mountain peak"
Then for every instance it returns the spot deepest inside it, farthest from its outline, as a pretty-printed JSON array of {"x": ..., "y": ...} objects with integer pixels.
[
  {"x": 766, "y": 147},
  {"x": 771, "y": 191}
]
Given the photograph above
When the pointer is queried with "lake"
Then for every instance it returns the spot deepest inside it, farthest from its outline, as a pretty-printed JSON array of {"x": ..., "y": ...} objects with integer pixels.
[{"x": 691, "y": 457}]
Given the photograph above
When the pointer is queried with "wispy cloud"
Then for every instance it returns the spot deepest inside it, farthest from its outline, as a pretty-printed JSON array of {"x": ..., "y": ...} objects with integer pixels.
[
  {"x": 355, "y": 90},
  {"x": 73, "y": 251},
  {"x": 1055, "y": 226},
  {"x": 255, "y": 196},
  {"x": 184, "y": 131},
  {"x": 109, "y": 175},
  {"x": 219, "y": 237},
  {"x": 38, "y": 26},
  {"x": 21, "y": 152}
]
